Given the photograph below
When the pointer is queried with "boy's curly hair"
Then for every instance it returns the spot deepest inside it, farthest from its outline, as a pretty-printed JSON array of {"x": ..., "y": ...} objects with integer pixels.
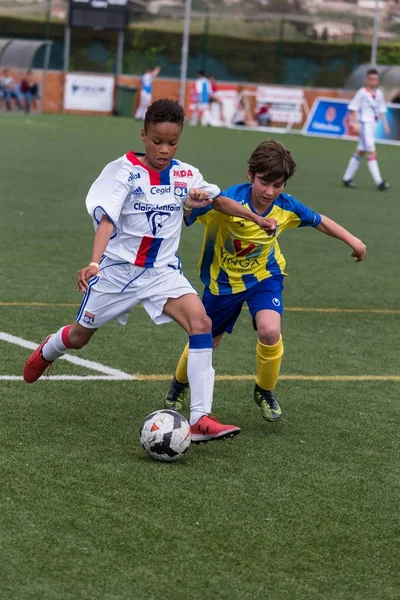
[
  {"x": 164, "y": 111},
  {"x": 272, "y": 161}
]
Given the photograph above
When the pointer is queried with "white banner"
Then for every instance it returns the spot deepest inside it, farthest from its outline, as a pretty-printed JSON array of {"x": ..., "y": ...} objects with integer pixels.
[
  {"x": 89, "y": 92},
  {"x": 286, "y": 103}
]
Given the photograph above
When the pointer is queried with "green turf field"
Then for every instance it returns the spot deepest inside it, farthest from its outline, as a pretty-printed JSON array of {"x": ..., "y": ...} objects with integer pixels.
[{"x": 307, "y": 508}]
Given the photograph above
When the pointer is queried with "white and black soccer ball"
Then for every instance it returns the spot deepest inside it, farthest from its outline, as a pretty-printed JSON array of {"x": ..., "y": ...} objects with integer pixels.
[{"x": 165, "y": 435}]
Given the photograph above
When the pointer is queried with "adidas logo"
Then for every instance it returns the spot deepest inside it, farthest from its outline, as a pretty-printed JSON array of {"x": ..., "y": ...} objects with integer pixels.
[{"x": 137, "y": 191}]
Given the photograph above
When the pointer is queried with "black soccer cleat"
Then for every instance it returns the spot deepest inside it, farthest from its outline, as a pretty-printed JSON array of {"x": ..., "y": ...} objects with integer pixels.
[
  {"x": 385, "y": 185},
  {"x": 267, "y": 403},
  {"x": 349, "y": 183},
  {"x": 175, "y": 398}
]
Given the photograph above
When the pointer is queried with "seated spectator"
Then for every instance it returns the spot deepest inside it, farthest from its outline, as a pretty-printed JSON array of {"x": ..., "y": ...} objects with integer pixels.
[
  {"x": 263, "y": 115},
  {"x": 29, "y": 90},
  {"x": 9, "y": 90}
]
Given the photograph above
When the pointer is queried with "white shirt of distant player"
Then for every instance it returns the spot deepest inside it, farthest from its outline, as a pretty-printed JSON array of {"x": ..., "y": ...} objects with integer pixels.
[
  {"x": 203, "y": 90},
  {"x": 368, "y": 105},
  {"x": 124, "y": 192},
  {"x": 147, "y": 83}
]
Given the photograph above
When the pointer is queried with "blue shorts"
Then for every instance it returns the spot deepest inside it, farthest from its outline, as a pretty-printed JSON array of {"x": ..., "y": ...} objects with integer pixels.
[{"x": 224, "y": 310}]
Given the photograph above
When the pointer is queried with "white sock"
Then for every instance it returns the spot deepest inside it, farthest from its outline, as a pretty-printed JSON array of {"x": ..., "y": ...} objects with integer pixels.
[
  {"x": 352, "y": 167},
  {"x": 201, "y": 375},
  {"x": 375, "y": 172},
  {"x": 55, "y": 347}
]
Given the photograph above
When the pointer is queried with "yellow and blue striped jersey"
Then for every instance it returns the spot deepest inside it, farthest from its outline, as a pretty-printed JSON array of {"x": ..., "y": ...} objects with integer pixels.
[{"x": 236, "y": 253}]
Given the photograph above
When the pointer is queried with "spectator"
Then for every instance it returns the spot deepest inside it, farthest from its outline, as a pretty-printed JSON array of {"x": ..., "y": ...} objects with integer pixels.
[
  {"x": 9, "y": 90},
  {"x": 263, "y": 115},
  {"x": 146, "y": 93},
  {"x": 203, "y": 92},
  {"x": 29, "y": 91},
  {"x": 242, "y": 114}
]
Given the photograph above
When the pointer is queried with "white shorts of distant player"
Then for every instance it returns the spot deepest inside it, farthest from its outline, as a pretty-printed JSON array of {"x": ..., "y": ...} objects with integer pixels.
[
  {"x": 145, "y": 101},
  {"x": 366, "y": 141},
  {"x": 121, "y": 286},
  {"x": 202, "y": 110}
]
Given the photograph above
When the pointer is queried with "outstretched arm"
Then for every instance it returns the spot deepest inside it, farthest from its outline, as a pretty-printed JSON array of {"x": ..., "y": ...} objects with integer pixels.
[
  {"x": 199, "y": 199},
  {"x": 101, "y": 238},
  {"x": 234, "y": 209},
  {"x": 330, "y": 227}
]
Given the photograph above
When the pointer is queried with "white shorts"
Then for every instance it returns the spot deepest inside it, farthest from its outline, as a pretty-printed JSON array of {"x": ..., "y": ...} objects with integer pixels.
[
  {"x": 145, "y": 99},
  {"x": 120, "y": 286},
  {"x": 366, "y": 141}
]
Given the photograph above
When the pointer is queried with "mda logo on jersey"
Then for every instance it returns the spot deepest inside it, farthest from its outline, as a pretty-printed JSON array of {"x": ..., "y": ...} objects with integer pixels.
[
  {"x": 183, "y": 173},
  {"x": 180, "y": 189}
]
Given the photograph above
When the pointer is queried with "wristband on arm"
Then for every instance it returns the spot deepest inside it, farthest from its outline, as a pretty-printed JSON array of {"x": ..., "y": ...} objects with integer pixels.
[{"x": 95, "y": 264}]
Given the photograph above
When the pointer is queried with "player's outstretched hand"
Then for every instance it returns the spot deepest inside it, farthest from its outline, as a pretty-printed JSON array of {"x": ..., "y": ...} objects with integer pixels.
[
  {"x": 359, "y": 251},
  {"x": 197, "y": 199},
  {"x": 83, "y": 277}
]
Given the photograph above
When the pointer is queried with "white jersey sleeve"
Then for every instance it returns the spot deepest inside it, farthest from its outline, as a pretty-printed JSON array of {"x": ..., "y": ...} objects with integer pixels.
[
  {"x": 355, "y": 103},
  {"x": 199, "y": 182},
  {"x": 109, "y": 192}
]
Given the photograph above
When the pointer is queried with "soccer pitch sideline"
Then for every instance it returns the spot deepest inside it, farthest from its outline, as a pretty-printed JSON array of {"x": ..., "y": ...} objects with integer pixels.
[{"x": 304, "y": 508}]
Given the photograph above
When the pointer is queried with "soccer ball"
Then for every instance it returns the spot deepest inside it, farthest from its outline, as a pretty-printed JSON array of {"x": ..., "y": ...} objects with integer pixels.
[{"x": 165, "y": 435}]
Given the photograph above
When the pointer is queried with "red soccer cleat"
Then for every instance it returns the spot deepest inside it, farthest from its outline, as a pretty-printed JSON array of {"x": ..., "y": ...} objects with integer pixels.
[
  {"x": 208, "y": 428},
  {"x": 36, "y": 365}
]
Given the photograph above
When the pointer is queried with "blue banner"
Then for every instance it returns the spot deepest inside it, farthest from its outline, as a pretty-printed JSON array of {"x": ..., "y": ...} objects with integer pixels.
[{"x": 329, "y": 117}]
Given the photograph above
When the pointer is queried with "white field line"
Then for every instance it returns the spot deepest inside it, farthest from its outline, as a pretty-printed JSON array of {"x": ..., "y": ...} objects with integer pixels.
[{"x": 81, "y": 362}]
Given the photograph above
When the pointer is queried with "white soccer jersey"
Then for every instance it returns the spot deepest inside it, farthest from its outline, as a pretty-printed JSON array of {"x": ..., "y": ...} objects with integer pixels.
[
  {"x": 147, "y": 83},
  {"x": 203, "y": 90},
  {"x": 368, "y": 105},
  {"x": 146, "y": 208}
]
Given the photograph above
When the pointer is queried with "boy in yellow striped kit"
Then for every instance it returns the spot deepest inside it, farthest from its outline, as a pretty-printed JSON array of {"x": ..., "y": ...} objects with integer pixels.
[{"x": 242, "y": 263}]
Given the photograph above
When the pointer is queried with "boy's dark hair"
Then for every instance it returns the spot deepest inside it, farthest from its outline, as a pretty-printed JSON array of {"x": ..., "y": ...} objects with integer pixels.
[
  {"x": 164, "y": 111},
  {"x": 272, "y": 161},
  {"x": 372, "y": 72},
  {"x": 201, "y": 72}
]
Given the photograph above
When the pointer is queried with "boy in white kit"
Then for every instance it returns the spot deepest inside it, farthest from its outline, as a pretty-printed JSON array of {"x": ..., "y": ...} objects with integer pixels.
[
  {"x": 146, "y": 92},
  {"x": 137, "y": 205},
  {"x": 366, "y": 108}
]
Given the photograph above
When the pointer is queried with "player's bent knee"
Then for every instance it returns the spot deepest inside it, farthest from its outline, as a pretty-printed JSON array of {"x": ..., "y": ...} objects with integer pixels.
[
  {"x": 200, "y": 324},
  {"x": 269, "y": 335}
]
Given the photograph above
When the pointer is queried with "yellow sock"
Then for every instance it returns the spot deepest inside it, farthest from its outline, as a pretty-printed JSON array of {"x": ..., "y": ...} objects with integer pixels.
[
  {"x": 268, "y": 364},
  {"x": 181, "y": 369}
]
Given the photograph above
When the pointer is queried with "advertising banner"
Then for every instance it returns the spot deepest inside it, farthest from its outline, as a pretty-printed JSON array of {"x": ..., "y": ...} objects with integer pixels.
[
  {"x": 89, "y": 92},
  {"x": 286, "y": 103},
  {"x": 329, "y": 117}
]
